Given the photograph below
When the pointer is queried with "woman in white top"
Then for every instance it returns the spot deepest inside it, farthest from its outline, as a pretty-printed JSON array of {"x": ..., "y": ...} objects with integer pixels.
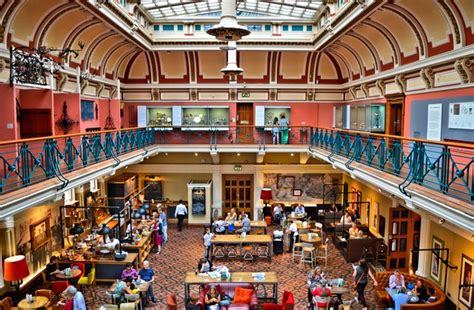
[{"x": 346, "y": 218}]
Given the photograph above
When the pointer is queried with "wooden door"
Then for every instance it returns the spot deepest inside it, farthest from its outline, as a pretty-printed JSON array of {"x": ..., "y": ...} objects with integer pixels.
[
  {"x": 35, "y": 123},
  {"x": 395, "y": 105},
  {"x": 245, "y": 120},
  {"x": 237, "y": 192},
  {"x": 404, "y": 232}
]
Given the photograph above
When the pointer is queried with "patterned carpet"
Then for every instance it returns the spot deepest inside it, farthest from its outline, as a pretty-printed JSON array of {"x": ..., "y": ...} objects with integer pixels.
[{"x": 184, "y": 249}]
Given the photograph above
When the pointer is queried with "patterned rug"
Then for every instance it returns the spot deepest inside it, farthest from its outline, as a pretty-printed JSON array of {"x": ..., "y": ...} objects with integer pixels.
[{"x": 184, "y": 249}]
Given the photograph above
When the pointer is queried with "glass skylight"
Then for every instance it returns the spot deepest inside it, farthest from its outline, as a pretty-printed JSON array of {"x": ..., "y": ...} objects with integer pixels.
[{"x": 162, "y": 9}]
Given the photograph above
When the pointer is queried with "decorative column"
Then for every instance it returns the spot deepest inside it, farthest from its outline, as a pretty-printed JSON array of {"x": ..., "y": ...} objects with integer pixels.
[
  {"x": 423, "y": 257},
  {"x": 216, "y": 189},
  {"x": 7, "y": 244}
]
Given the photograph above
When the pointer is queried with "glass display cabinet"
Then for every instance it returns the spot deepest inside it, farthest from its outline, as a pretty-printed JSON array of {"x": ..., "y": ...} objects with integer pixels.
[
  {"x": 161, "y": 116},
  {"x": 205, "y": 116},
  {"x": 272, "y": 112},
  {"x": 368, "y": 118},
  {"x": 339, "y": 117}
]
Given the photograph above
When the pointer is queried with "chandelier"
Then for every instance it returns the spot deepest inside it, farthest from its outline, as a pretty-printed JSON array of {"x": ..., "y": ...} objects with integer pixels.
[{"x": 32, "y": 65}]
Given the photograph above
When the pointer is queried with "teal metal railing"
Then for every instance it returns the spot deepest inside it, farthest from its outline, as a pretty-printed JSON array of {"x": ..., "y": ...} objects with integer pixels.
[
  {"x": 29, "y": 161},
  {"x": 442, "y": 166}
]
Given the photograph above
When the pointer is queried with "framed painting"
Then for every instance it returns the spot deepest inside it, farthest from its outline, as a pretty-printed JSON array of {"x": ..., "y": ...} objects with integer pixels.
[
  {"x": 436, "y": 266},
  {"x": 375, "y": 214},
  {"x": 297, "y": 192},
  {"x": 466, "y": 293},
  {"x": 87, "y": 110},
  {"x": 40, "y": 233},
  {"x": 285, "y": 181}
]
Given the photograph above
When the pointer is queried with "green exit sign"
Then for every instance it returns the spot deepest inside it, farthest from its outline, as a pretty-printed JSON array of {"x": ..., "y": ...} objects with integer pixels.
[
  {"x": 245, "y": 94},
  {"x": 237, "y": 168}
]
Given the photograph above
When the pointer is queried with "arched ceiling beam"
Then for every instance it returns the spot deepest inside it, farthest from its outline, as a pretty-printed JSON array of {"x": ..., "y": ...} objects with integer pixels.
[
  {"x": 119, "y": 63},
  {"x": 153, "y": 69},
  {"x": 414, "y": 24},
  {"x": 455, "y": 21},
  {"x": 10, "y": 10},
  {"x": 78, "y": 30},
  {"x": 336, "y": 65},
  {"x": 92, "y": 46},
  {"x": 370, "y": 46},
  {"x": 109, "y": 53},
  {"x": 336, "y": 54},
  {"x": 355, "y": 54},
  {"x": 316, "y": 56},
  {"x": 388, "y": 36},
  {"x": 51, "y": 17}
]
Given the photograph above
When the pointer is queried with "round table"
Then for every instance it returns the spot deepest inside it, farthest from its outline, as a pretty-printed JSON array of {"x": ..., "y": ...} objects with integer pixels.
[
  {"x": 339, "y": 291},
  {"x": 73, "y": 274},
  {"x": 313, "y": 240},
  {"x": 38, "y": 302}
]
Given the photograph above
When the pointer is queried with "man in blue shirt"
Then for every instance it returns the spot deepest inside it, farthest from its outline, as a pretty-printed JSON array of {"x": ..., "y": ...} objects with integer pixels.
[{"x": 147, "y": 274}]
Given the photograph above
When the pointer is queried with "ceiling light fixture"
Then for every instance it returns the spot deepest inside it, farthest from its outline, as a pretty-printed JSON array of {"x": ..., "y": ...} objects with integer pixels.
[{"x": 228, "y": 29}]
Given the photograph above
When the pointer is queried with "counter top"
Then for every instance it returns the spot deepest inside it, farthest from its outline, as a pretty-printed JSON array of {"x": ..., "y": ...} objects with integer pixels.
[{"x": 102, "y": 260}]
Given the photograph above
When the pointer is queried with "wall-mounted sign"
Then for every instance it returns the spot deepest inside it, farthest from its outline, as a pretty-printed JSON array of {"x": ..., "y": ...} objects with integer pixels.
[
  {"x": 461, "y": 115},
  {"x": 237, "y": 168},
  {"x": 198, "y": 201},
  {"x": 245, "y": 94},
  {"x": 433, "y": 131}
]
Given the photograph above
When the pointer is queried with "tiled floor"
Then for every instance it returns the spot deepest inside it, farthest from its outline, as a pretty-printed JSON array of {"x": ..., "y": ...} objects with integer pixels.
[{"x": 185, "y": 248}]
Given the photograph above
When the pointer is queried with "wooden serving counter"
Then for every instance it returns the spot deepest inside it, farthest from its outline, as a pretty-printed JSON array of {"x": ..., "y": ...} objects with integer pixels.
[
  {"x": 107, "y": 268},
  {"x": 142, "y": 248}
]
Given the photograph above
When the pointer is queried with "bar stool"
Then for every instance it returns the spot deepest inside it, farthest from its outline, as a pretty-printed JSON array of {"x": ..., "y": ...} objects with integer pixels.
[
  {"x": 297, "y": 249},
  {"x": 323, "y": 248},
  {"x": 309, "y": 254},
  {"x": 320, "y": 227}
]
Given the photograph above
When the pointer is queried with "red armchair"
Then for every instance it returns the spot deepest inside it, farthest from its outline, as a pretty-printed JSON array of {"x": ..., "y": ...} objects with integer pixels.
[
  {"x": 287, "y": 303},
  {"x": 228, "y": 289}
]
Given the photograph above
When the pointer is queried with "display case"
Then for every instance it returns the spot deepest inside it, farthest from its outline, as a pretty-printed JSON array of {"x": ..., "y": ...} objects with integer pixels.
[
  {"x": 339, "y": 117},
  {"x": 368, "y": 118},
  {"x": 203, "y": 117},
  {"x": 159, "y": 116},
  {"x": 272, "y": 112}
]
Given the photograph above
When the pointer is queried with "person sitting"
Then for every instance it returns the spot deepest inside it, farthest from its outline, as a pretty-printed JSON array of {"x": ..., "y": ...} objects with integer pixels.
[
  {"x": 299, "y": 210},
  {"x": 204, "y": 265},
  {"x": 193, "y": 303},
  {"x": 401, "y": 298},
  {"x": 396, "y": 280},
  {"x": 354, "y": 231},
  {"x": 110, "y": 242},
  {"x": 277, "y": 214},
  {"x": 246, "y": 227},
  {"x": 241, "y": 216},
  {"x": 148, "y": 275},
  {"x": 346, "y": 218},
  {"x": 314, "y": 277},
  {"x": 129, "y": 271},
  {"x": 219, "y": 226},
  {"x": 213, "y": 298},
  {"x": 228, "y": 218},
  {"x": 67, "y": 300},
  {"x": 232, "y": 216},
  {"x": 118, "y": 290},
  {"x": 431, "y": 293},
  {"x": 321, "y": 294},
  {"x": 420, "y": 291},
  {"x": 52, "y": 268}
]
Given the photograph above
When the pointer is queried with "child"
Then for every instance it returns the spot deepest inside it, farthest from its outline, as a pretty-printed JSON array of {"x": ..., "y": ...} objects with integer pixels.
[
  {"x": 208, "y": 236},
  {"x": 276, "y": 131}
]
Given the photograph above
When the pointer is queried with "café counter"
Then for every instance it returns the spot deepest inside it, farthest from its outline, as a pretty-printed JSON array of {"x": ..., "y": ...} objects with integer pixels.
[
  {"x": 107, "y": 268},
  {"x": 142, "y": 248}
]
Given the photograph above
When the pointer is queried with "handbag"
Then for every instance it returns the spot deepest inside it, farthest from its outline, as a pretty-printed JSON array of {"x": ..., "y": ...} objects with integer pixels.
[{"x": 360, "y": 278}]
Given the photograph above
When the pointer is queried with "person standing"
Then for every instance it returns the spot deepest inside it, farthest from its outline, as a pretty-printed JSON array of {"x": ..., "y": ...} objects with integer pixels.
[
  {"x": 164, "y": 223},
  {"x": 208, "y": 236},
  {"x": 276, "y": 131},
  {"x": 360, "y": 280},
  {"x": 294, "y": 236},
  {"x": 284, "y": 123},
  {"x": 180, "y": 213}
]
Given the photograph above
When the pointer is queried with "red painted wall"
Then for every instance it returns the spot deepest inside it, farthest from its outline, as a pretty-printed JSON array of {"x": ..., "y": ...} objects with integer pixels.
[
  {"x": 114, "y": 112},
  {"x": 469, "y": 91},
  {"x": 8, "y": 114},
  {"x": 38, "y": 99}
]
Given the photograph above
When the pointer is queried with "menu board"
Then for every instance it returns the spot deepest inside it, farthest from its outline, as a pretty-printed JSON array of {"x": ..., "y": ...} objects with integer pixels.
[
  {"x": 461, "y": 115},
  {"x": 198, "y": 200}
]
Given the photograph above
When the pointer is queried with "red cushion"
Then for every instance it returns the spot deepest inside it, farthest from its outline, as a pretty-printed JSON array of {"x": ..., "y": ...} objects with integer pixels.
[
  {"x": 267, "y": 306},
  {"x": 242, "y": 295}
]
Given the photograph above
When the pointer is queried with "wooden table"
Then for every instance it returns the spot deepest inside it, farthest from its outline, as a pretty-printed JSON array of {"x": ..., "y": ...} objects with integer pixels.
[
  {"x": 221, "y": 244},
  {"x": 254, "y": 224},
  {"x": 295, "y": 217},
  {"x": 143, "y": 248},
  {"x": 235, "y": 277},
  {"x": 73, "y": 274},
  {"x": 38, "y": 302},
  {"x": 314, "y": 240},
  {"x": 338, "y": 291}
]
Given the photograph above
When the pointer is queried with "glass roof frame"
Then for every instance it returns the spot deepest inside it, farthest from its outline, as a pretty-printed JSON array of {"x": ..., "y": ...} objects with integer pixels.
[{"x": 163, "y": 9}]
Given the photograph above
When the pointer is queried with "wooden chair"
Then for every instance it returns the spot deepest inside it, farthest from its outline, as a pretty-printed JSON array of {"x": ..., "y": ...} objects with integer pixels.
[
  {"x": 319, "y": 299},
  {"x": 109, "y": 307},
  {"x": 7, "y": 304},
  {"x": 45, "y": 293},
  {"x": 297, "y": 249},
  {"x": 59, "y": 286},
  {"x": 323, "y": 248},
  {"x": 308, "y": 255},
  {"x": 133, "y": 299},
  {"x": 171, "y": 302}
]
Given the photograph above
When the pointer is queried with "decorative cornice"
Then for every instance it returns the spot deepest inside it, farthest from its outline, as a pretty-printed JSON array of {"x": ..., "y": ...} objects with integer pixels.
[
  {"x": 463, "y": 68},
  {"x": 401, "y": 81},
  {"x": 427, "y": 75},
  {"x": 61, "y": 79},
  {"x": 380, "y": 84}
]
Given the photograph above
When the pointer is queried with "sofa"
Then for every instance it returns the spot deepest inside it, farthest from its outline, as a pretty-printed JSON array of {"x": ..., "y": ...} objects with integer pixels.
[
  {"x": 228, "y": 289},
  {"x": 382, "y": 298}
]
